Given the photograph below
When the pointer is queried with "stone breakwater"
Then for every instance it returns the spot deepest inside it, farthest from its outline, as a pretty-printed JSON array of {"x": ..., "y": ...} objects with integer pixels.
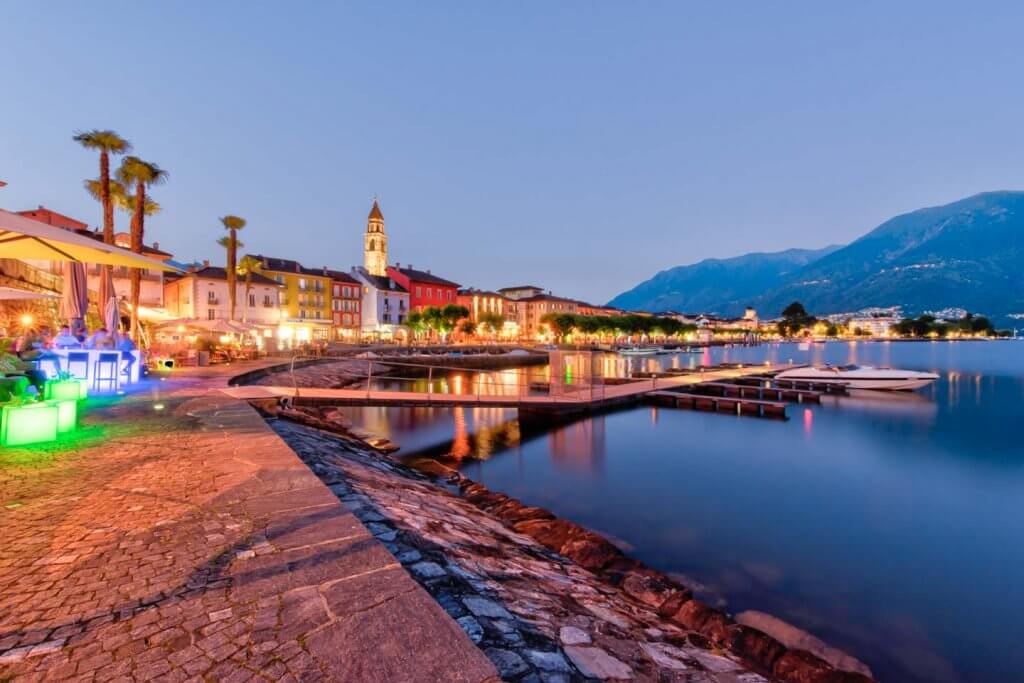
[{"x": 545, "y": 599}]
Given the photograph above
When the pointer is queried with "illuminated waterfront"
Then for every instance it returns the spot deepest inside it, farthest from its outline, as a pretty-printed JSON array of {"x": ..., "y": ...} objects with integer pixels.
[{"x": 888, "y": 525}]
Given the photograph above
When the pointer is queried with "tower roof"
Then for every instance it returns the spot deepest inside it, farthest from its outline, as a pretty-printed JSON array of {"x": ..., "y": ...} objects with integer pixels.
[{"x": 375, "y": 212}]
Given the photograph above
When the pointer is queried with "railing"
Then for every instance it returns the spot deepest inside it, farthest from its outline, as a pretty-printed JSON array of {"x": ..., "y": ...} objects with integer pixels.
[{"x": 524, "y": 386}]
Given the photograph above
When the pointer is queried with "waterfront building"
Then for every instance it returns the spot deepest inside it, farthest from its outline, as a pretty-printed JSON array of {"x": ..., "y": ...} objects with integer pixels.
[
  {"x": 375, "y": 243},
  {"x": 424, "y": 288},
  {"x": 527, "y": 312},
  {"x": 151, "y": 282},
  {"x": 346, "y": 305},
  {"x": 584, "y": 308},
  {"x": 305, "y": 298},
  {"x": 480, "y": 302},
  {"x": 384, "y": 306},
  {"x": 874, "y": 326},
  {"x": 202, "y": 294}
]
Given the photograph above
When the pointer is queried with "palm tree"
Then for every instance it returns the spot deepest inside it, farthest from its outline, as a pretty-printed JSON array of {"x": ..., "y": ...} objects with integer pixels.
[
  {"x": 232, "y": 224},
  {"x": 107, "y": 142},
  {"x": 247, "y": 267},
  {"x": 140, "y": 174}
]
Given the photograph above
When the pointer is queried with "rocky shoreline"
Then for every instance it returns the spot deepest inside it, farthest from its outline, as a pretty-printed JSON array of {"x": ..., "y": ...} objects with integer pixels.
[{"x": 546, "y": 599}]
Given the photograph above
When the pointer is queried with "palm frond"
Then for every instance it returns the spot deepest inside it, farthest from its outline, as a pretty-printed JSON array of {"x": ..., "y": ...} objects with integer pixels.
[
  {"x": 106, "y": 140},
  {"x": 231, "y": 222},
  {"x": 226, "y": 242},
  {"x": 117, "y": 189},
  {"x": 134, "y": 170}
]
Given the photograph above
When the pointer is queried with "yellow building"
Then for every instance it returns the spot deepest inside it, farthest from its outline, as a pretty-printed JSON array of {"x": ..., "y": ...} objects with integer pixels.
[{"x": 305, "y": 298}]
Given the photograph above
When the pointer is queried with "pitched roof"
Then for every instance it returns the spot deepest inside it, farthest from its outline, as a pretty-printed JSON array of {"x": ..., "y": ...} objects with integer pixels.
[
  {"x": 283, "y": 265},
  {"x": 375, "y": 211},
  {"x": 341, "y": 276},
  {"x": 217, "y": 273},
  {"x": 510, "y": 289},
  {"x": 423, "y": 276},
  {"x": 548, "y": 297},
  {"x": 478, "y": 292},
  {"x": 384, "y": 283}
]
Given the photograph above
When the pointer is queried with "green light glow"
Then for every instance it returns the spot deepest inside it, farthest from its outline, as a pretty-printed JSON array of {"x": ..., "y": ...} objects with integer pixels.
[
  {"x": 33, "y": 423},
  {"x": 69, "y": 389},
  {"x": 67, "y": 415}
]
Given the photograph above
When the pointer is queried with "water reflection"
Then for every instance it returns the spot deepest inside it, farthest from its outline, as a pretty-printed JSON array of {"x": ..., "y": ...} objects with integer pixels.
[{"x": 888, "y": 525}]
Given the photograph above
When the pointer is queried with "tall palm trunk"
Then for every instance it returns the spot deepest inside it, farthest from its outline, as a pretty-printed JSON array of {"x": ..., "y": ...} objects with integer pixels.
[
  {"x": 138, "y": 217},
  {"x": 108, "y": 217},
  {"x": 245, "y": 304},
  {"x": 232, "y": 281}
]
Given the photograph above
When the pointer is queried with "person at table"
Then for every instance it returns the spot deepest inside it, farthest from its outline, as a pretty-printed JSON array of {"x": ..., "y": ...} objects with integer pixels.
[
  {"x": 101, "y": 340},
  {"x": 66, "y": 340},
  {"x": 125, "y": 345},
  {"x": 30, "y": 349}
]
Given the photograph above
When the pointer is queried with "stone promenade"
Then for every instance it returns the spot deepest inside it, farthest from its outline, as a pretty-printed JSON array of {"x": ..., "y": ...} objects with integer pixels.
[{"x": 176, "y": 537}]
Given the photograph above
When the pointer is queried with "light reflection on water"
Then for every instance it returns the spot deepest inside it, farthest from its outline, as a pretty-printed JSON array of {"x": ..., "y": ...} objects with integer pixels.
[{"x": 887, "y": 524}]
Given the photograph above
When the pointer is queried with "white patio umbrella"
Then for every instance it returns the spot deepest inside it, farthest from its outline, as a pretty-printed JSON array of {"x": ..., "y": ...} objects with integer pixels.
[{"x": 24, "y": 238}]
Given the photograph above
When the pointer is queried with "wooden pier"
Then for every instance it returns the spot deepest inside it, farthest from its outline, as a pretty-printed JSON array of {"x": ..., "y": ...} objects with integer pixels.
[{"x": 716, "y": 404}]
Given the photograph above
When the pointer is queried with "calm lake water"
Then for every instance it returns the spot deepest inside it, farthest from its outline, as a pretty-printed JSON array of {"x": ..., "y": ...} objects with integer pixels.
[{"x": 889, "y": 525}]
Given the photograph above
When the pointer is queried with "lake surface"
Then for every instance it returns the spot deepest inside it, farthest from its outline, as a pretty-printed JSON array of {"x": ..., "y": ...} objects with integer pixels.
[{"x": 889, "y": 525}]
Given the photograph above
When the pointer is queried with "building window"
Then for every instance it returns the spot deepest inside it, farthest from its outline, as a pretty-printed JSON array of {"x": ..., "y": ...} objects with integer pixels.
[
  {"x": 428, "y": 292},
  {"x": 211, "y": 314},
  {"x": 211, "y": 297},
  {"x": 252, "y": 299},
  {"x": 302, "y": 283},
  {"x": 419, "y": 292},
  {"x": 266, "y": 300}
]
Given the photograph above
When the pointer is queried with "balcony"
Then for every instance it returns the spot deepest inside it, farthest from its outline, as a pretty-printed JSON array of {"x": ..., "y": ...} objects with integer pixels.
[{"x": 213, "y": 300}]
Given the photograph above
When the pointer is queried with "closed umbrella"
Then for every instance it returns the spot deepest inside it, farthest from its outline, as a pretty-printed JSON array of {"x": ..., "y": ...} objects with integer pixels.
[
  {"x": 106, "y": 301},
  {"x": 75, "y": 297}
]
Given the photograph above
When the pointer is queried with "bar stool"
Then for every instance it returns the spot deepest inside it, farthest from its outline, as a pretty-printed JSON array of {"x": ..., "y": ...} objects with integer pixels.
[
  {"x": 107, "y": 369},
  {"x": 78, "y": 360}
]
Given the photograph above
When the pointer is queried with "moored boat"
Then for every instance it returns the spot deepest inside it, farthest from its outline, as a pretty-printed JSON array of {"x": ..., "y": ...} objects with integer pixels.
[{"x": 860, "y": 377}]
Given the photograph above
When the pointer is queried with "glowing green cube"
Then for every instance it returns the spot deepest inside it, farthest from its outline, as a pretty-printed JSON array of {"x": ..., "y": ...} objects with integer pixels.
[
  {"x": 67, "y": 414},
  {"x": 68, "y": 389},
  {"x": 31, "y": 423}
]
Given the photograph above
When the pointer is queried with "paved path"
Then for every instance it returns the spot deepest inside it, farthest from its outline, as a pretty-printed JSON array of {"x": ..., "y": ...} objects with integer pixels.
[
  {"x": 605, "y": 394},
  {"x": 190, "y": 542}
]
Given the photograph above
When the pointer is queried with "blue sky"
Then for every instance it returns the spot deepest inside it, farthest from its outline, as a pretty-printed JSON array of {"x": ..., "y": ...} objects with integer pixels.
[{"x": 581, "y": 146}]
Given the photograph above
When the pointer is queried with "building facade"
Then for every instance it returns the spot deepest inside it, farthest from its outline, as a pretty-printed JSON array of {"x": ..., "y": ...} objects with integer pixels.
[
  {"x": 385, "y": 306},
  {"x": 305, "y": 300},
  {"x": 346, "y": 306},
  {"x": 527, "y": 312},
  {"x": 202, "y": 294},
  {"x": 424, "y": 288}
]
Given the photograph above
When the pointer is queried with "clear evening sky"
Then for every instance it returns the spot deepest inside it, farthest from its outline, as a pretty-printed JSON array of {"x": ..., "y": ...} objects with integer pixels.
[{"x": 580, "y": 146}]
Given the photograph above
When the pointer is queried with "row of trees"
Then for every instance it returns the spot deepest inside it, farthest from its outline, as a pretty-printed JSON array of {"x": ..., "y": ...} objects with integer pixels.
[
  {"x": 126, "y": 190},
  {"x": 439, "y": 320},
  {"x": 927, "y": 326},
  {"x": 564, "y": 324}
]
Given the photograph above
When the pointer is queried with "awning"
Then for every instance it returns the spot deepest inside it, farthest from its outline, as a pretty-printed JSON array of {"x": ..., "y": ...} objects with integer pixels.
[{"x": 24, "y": 238}]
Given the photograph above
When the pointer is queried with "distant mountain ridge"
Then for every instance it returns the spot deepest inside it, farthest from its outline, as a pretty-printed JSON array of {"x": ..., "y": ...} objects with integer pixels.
[
  {"x": 968, "y": 254},
  {"x": 722, "y": 286}
]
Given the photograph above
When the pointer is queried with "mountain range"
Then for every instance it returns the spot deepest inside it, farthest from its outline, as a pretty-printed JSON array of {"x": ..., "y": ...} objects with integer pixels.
[{"x": 968, "y": 254}]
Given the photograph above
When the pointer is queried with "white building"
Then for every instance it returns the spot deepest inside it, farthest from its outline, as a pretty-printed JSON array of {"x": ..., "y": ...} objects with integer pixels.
[
  {"x": 385, "y": 305},
  {"x": 876, "y": 327},
  {"x": 202, "y": 294}
]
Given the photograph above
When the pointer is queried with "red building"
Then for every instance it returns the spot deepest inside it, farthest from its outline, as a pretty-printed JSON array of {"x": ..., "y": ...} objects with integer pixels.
[
  {"x": 51, "y": 217},
  {"x": 346, "y": 296},
  {"x": 424, "y": 288}
]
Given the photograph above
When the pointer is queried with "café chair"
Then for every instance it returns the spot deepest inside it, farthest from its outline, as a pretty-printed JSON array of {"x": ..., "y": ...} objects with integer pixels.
[
  {"x": 106, "y": 370},
  {"x": 78, "y": 364}
]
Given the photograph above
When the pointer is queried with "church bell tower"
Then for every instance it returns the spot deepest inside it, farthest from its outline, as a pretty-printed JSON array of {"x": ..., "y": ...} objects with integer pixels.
[{"x": 375, "y": 243}]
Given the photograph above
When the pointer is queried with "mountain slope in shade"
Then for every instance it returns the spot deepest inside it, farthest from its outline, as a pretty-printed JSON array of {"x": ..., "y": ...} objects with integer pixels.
[
  {"x": 967, "y": 254},
  {"x": 723, "y": 286}
]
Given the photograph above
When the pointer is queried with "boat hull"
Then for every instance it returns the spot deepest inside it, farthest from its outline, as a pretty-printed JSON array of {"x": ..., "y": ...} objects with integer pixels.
[{"x": 908, "y": 381}]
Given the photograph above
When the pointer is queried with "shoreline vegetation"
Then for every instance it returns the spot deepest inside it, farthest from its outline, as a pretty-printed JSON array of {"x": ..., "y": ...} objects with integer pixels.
[{"x": 645, "y": 619}]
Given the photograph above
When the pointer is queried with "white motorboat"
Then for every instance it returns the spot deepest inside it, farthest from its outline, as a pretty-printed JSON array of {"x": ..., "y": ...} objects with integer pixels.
[
  {"x": 861, "y": 377},
  {"x": 640, "y": 351}
]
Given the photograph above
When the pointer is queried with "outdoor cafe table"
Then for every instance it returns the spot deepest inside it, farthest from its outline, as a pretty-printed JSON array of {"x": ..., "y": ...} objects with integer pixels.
[{"x": 50, "y": 365}]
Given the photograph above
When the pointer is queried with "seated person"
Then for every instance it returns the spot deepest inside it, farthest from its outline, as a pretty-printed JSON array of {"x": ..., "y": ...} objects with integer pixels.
[
  {"x": 101, "y": 340},
  {"x": 125, "y": 344},
  {"x": 20, "y": 369},
  {"x": 66, "y": 340}
]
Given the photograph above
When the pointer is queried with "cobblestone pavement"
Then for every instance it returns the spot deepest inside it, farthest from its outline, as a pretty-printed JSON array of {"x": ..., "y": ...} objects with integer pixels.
[{"x": 176, "y": 537}]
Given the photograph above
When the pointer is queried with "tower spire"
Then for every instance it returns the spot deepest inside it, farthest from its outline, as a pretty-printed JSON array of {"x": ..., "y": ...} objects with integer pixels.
[{"x": 375, "y": 242}]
